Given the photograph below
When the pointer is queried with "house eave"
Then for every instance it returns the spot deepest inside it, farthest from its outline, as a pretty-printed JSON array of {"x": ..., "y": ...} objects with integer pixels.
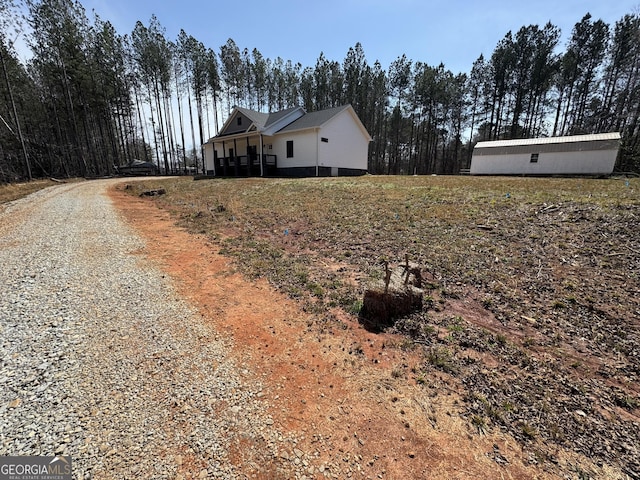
[
  {"x": 298, "y": 130},
  {"x": 234, "y": 136}
]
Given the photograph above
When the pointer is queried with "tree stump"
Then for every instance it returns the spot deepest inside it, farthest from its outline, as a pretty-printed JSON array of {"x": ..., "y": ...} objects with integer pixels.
[{"x": 397, "y": 295}]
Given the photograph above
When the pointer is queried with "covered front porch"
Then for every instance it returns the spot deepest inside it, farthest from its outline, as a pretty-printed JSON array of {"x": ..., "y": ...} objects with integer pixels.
[{"x": 241, "y": 156}]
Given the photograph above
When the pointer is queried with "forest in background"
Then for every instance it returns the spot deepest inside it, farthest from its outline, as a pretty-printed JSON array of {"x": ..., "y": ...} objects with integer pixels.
[{"x": 90, "y": 98}]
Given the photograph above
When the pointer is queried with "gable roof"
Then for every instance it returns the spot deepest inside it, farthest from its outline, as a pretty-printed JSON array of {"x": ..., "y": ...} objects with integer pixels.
[
  {"x": 259, "y": 119},
  {"x": 288, "y": 120},
  {"x": 267, "y": 123},
  {"x": 321, "y": 117},
  {"x": 263, "y": 121}
]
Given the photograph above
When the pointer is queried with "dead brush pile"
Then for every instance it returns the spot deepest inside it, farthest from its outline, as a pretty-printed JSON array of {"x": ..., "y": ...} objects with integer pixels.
[{"x": 531, "y": 286}]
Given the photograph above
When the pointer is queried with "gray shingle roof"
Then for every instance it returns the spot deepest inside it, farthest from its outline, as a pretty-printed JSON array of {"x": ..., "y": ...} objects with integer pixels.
[
  {"x": 313, "y": 119},
  {"x": 275, "y": 116},
  {"x": 258, "y": 118},
  {"x": 263, "y": 120}
]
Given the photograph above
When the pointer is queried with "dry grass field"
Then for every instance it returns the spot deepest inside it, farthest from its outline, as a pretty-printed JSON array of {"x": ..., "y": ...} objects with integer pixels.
[
  {"x": 13, "y": 191},
  {"x": 530, "y": 293}
]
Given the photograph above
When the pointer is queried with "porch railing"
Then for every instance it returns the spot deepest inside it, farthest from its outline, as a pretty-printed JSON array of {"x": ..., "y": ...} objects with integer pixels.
[{"x": 246, "y": 165}]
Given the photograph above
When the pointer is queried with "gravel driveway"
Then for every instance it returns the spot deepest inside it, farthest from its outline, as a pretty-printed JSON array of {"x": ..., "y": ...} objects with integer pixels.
[{"x": 102, "y": 361}]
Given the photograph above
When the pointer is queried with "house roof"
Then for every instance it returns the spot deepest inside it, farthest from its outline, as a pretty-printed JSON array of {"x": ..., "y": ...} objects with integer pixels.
[
  {"x": 549, "y": 140},
  {"x": 276, "y": 116},
  {"x": 277, "y": 122},
  {"x": 259, "y": 119},
  {"x": 263, "y": 121},
  {"x": 313, "y": 119}
]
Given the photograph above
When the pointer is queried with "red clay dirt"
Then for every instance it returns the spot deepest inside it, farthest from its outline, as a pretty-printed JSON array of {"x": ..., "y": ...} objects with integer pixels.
[{"x": 349, "y": 394}]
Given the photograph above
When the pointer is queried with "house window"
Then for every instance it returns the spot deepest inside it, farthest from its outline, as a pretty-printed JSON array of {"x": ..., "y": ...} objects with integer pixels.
[
  {"x": 324, "y": 139},
  {"x": 289, "y": 148},
  {"x": 239, "y": 120},
  {"x": 534, "y": 158}
]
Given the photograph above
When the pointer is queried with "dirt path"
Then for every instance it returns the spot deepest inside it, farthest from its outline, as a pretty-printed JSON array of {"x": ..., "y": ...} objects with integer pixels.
[{"x": 350, "y": 396}]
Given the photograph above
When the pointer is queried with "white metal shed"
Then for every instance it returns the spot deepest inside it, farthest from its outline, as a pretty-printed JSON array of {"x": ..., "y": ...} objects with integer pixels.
[{"x": 573, "y": 155}]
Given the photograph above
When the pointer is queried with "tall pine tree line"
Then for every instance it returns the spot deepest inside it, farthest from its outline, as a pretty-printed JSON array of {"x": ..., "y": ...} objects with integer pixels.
[{"x": 90, "y": 98}]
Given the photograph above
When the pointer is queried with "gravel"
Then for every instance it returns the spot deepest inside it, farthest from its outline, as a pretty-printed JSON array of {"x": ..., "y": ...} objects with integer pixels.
[{"x": 101, "y": 360}]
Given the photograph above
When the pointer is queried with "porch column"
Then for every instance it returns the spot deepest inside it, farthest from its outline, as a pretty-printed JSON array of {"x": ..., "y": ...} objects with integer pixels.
[
  {"x": 235, "y": 158},
  {"x": 224, "y": 160},
  {"x": 317, "y": 153},
  {"x": 261, "y": 158},
  {"x": 248, "y": 159},
  {"x": 215, "y": 160}
]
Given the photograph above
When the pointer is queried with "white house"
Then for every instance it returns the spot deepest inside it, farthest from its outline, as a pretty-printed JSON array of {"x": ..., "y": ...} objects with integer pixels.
[
  {"x": 574, "y": 155},
  {"x": 290, "y": 142}
]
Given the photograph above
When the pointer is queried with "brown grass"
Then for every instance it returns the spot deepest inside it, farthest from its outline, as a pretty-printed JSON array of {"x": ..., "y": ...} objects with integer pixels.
[{"x": 13, "y": 191}]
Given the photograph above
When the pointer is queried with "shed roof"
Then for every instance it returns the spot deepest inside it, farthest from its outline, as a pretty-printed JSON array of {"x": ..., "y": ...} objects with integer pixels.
[{"x": 549, "y": 140}]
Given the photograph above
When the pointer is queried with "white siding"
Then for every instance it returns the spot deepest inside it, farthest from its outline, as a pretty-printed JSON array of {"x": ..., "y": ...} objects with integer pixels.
[
  {"x": 574, "y": 155},
  {"x": 595, "y": 162},
  {"x": 346, "y": 146},
  {"x": 304, "y": 149}
]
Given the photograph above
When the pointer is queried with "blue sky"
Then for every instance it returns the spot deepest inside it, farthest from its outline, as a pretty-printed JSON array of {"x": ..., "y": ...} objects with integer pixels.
[{"x": 454, "y": 32}]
